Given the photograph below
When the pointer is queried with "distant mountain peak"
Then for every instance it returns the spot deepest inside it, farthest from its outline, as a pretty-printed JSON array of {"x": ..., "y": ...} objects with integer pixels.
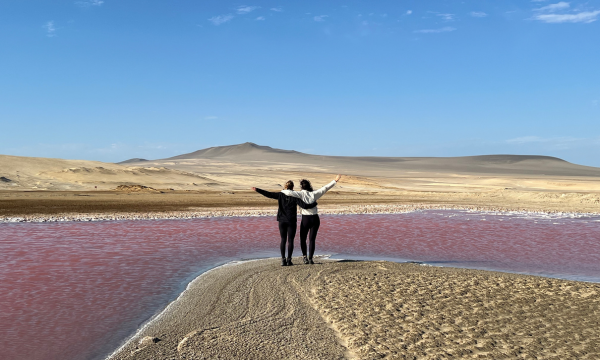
[
  {"x": 247, "y": 149},
  {"x": 134, "y": 160}
]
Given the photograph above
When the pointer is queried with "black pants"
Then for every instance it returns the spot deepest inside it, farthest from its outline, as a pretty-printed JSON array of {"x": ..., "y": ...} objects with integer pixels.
[
  {"x": 287, "y": 232},
  {"x": 309, "y": 227}
]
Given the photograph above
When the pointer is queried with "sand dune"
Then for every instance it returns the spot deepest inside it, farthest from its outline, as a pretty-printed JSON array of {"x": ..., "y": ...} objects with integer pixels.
[{"x": 28, "y": 173}]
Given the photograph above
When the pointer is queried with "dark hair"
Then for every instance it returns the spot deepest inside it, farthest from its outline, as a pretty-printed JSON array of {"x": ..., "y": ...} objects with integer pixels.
[
  {"x": 289, "y": 185},
  {"x": 305, "y": 185}
]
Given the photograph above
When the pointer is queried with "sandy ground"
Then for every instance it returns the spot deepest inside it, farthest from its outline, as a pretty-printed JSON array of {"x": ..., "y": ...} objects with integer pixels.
[
  {"x": 218, "y": 180},
  {"x": 73, "y": 205},
  {"x": 372, "y": 310}
]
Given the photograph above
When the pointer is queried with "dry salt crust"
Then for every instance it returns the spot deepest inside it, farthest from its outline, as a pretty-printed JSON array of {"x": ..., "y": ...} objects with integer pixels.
[
  {"x": 372, "y": 310},
  {"x": 249, "y": 212}
]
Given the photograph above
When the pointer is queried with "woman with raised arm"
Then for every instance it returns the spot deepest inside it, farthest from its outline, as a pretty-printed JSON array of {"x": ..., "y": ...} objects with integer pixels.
[
  {"x": 310, "y": 217},
  {"x": 287, "y": 215}
]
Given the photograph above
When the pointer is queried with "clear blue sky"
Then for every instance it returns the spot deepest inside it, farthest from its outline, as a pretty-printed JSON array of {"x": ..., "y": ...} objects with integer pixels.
[{"x": 110, "y": 80}]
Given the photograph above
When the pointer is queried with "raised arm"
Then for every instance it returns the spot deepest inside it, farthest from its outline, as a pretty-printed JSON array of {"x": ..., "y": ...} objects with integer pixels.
[
  {"x": 270, "y": 195},
  {"x": 320, "y": 192}
]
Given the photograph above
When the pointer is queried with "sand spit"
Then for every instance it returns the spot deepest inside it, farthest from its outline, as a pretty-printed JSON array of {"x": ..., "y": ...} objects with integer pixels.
[
  {"x": 372, "y": 310},
  {"x": 246, "y": 212}
]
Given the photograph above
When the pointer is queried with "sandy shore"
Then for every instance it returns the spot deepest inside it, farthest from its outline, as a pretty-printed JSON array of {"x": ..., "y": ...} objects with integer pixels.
[
  {"x": 44, "y": 206},
  {"x": 245, "y": 212},
  {"x": 372, "y": 310},
  {"x": 269, "y": 211}
]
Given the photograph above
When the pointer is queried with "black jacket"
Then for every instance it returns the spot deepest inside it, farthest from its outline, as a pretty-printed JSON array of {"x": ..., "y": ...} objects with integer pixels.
[{"x": 287, "y": 211}]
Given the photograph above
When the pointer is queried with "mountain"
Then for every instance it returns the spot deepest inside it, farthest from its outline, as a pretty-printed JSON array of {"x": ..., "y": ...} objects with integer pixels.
[
  {"x": 251, "y": 153},
  {"x": 134, "y": 160},
  {"x": 244, "y": 150},
  {"x": 244, "y": 165}
]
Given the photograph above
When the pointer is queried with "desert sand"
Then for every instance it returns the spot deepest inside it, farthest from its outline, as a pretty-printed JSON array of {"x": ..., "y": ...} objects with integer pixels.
[
  {"x": 372, "y": 310},
  {"x": 219, "y": 178},
  {"x": 237, "y": 167}
]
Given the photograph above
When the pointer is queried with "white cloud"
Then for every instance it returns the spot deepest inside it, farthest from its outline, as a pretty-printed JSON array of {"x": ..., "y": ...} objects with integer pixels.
[
  {"x": 89, "y": 3},
  {"x": 554, "y": 7},
  {"x": 447, "y": 17},
  {"x": 220, "y": 19},
  {"x": 246, "y": 9},
  {"x": 260, "y": 18},
  {"x": 558, "y": 13},
  {"x": 50, "y": 29},
  {"x": 435, "y": 31},
  {"x": 408, "y": 12},
  {"x": 320, "y": 18},
  {"x": 582, "y": 17},
  {"x": 478, "y": 14},
  {"x": 277, "y": 9}
]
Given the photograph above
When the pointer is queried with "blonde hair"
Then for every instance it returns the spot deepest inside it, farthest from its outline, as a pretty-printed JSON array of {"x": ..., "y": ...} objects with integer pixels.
[{"x": 289, "y": 185}]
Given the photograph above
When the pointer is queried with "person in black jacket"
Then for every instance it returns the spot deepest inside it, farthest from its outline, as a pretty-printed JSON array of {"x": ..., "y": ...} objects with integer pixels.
[{"x": 287, "y": 214}]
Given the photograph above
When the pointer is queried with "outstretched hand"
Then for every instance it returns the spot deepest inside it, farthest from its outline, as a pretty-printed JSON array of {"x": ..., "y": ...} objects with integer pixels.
[
  {"x": 337, "y": 178},
  {"x": 253, "y": 188}
]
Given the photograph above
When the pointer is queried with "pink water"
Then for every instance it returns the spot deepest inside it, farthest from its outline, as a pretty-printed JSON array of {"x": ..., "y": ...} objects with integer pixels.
[{"x": 77, "y": 290}]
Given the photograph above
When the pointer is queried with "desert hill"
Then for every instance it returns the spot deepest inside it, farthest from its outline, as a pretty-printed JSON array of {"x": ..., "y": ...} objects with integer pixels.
[
  {"x": 241, "y": 151},
  {"x": 31, "y": 173},
  {"x": 250, "y": 153},
  {"x": 134, "y": 160},
  {"x": 241, "y": 166}
]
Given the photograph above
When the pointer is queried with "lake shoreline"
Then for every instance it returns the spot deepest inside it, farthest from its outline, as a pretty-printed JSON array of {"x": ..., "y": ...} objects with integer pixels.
[
  {"x": 200, "y": 323},
  {"x": 254, "y": 212}
]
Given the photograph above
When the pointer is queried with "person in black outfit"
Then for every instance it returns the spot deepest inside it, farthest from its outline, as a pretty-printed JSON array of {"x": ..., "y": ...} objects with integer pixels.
[{"x": 287, "y": 214}]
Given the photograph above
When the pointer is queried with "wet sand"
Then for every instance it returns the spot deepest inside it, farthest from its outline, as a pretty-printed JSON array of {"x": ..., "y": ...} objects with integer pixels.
[{"x": 372, "y": 310}]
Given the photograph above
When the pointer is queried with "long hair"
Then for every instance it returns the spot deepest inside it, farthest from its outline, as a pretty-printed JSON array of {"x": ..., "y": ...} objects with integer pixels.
[
  {"x": 305, "y": 185},
  {"x": 289, "y": 185}
]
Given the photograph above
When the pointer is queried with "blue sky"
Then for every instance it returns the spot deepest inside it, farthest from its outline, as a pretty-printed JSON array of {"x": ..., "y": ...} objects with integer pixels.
[{"x": 110, "y": 80}]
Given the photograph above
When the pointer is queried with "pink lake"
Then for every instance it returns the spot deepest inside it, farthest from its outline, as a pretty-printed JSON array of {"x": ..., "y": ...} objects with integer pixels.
[{"x": 73, "y": 290}]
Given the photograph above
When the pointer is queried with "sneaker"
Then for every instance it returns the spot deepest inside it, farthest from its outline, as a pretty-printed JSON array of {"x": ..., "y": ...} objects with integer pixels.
[
  {"x": 305, "y": 259},
  {"x": 310, "y": 261},
  {"x": 289, "y": 262},
  {"x": 283, "y": 262}
]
